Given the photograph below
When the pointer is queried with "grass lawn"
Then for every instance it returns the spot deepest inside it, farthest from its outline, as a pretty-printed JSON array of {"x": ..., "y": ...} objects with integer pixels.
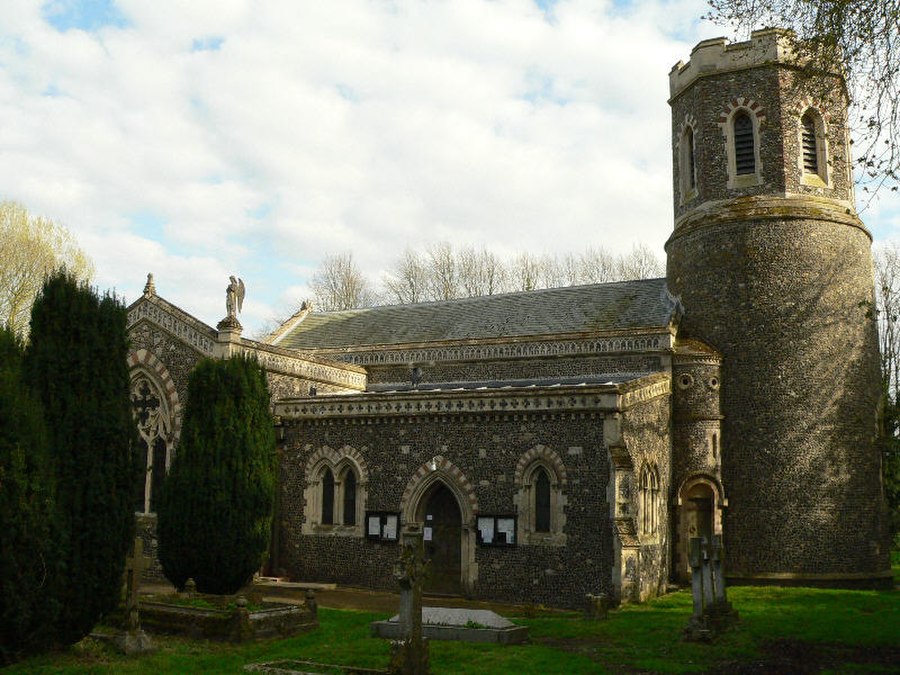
[{"x": 780, "y": 630}]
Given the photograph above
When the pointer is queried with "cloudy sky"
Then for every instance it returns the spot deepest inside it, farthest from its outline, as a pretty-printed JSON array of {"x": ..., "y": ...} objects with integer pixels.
[{"x": 206, "y": 138}]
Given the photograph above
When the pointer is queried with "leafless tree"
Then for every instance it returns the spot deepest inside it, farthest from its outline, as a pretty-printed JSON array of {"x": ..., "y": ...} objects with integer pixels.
[
  {"x": 338, "y": 284},
  {"x": 887, "y": 301},
  {"x": 481, "y": 272},
  {"x": 31, "y": 247},
  {"x": 525, "y": 272},
  {"x": 443, "y": 275},
  {"x": 407, "y": 280},
  {"x": 640, "y": 263},
  {"x": 596, "y": 265}
]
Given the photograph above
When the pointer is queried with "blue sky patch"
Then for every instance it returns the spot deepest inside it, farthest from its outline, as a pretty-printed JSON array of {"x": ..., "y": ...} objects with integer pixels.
[
  {"x": 152, "y": 225},
  {"x": 540, "y": 90},
  {"x": 86, "y": 15},
  {"x": 207, "y": 44}
]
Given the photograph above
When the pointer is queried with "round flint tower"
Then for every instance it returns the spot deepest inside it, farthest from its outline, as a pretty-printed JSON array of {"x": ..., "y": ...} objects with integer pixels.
[{"x": 774, "y": 269}]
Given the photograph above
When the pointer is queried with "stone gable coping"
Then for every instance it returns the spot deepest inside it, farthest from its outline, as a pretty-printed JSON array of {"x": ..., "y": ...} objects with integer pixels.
[
  {"x": 284, "y": 362},
  {"x": 274, "y": 359},
  {"x": 654, "y": 386},
  {"x": 171, "y": 319}
]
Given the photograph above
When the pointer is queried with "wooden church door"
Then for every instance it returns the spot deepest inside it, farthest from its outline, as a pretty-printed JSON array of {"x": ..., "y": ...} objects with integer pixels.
[{"x": 443, "y": 535}]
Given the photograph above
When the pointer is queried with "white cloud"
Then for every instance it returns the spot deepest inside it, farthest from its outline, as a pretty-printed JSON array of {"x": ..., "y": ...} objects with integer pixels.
[{"x": 208, "y": 138}]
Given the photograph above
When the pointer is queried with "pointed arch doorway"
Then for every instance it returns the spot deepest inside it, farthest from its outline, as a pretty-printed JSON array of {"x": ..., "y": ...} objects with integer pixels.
[
  {"x": 440, "y": 513},
  {"x": 700, "y": 503}
]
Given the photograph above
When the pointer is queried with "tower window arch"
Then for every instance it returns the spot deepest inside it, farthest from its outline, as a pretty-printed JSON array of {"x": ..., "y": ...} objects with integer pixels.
[
  {"x": 687, "y": 164},
  {"x": 813, "y": 159},
  {"x": 744, "y": 144},
  {"x": 741, "y": 123},
  {"x": 808, "y": 144}
]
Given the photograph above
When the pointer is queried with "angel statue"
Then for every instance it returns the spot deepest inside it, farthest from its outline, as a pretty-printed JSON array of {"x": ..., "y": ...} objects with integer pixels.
[{"x": 234, "y": 297}]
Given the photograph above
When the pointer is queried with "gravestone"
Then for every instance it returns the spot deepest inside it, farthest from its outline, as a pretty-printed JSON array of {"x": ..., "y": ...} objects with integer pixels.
[
  {"x": 409, "y": 654},
  {"x": 133, "y": 640},
  {"x": 712, "y": 612}
]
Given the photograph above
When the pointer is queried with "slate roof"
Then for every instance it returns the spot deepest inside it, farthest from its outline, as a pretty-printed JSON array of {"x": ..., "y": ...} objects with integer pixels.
[{"x": 596, "y": 308}]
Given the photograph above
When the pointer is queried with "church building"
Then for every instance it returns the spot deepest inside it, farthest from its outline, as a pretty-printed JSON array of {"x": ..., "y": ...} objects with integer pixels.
[{"x": 567, "y": 441}]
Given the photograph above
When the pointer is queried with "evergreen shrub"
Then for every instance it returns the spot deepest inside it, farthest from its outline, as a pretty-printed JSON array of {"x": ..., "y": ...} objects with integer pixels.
[
  {"x": 215, "y": 513},
  {"x": 76, "y": 364},
  {"x": 29, "y": 557}
]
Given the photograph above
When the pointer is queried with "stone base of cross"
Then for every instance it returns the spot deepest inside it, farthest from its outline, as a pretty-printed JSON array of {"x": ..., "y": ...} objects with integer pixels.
[
  {"x": 712, "y": 611},
  {"x": 133, "y": 640}
]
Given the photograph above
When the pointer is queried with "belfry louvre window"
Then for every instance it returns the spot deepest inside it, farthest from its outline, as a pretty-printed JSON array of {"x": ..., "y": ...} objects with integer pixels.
[
  {"x": 744, "y": 147},
  {"x": 810, "y": 151}
]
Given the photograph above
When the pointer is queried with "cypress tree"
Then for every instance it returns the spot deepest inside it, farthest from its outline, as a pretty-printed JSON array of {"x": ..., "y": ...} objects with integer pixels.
[
  {"x": 215, "y": 512},
  {"x": 29, "y": 557},
  {"x": 76, "y": 361}
]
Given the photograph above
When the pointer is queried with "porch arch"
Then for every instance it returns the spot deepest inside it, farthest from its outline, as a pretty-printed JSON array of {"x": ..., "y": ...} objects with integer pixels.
[{"x": 440, "y": 472}]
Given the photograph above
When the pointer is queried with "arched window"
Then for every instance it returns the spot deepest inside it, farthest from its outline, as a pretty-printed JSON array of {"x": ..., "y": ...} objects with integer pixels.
[
  {"x": 348, "y": 485},
  {"x": 540, "y": 479},
  {"x": 327, "y": 497},
  {"x": 335, "y": 493},
  {"x": 154, "y": 429},
  {"x": 813, "y": 157},
  {"x": 541, "y": 501},
  {"x": 688, "y": 164},
  {"x": 808, "y": 139},
  {"x": 744, "y": 144},
  {"x": 649, "y": 499}
]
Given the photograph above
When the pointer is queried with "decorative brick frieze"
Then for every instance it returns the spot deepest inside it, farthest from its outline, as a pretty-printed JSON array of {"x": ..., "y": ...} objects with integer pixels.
[{"x": 653, "y": 342}]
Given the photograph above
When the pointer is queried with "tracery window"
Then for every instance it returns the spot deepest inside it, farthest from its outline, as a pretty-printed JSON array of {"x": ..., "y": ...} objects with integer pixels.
[
  {"x": 649, "y": 499},
  {"x": 335, "y": 494},
  {"x": 154, "y": 430}
]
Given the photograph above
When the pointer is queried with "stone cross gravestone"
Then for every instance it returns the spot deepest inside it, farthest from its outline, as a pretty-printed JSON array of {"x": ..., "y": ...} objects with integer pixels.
[
  {"x": 409, "y": 654},
  {"x": 712, "y": 611},
  {"x": 133, "y": 640}
]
